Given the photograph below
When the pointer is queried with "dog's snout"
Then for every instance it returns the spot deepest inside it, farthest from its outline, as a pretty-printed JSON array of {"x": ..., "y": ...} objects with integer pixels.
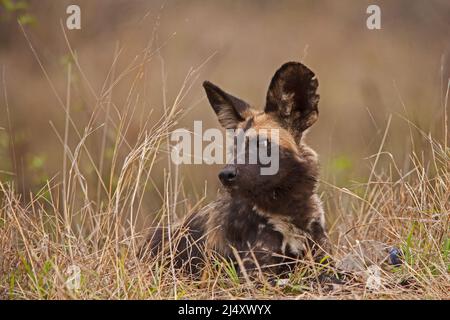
[{"x": 227, "y": 175}]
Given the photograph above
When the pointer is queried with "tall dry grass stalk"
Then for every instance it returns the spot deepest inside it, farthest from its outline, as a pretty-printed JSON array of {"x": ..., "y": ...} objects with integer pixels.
[{"x": 69, "y": 226}]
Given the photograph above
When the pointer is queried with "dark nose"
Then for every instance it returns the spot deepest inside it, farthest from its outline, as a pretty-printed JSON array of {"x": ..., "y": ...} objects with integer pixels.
[{"x": 227, "y": 175}]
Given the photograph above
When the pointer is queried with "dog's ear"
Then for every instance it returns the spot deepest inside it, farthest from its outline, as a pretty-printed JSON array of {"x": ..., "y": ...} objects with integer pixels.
[
  {"x": 292, "y": 97},
  {"x": 229, "y": 109}
]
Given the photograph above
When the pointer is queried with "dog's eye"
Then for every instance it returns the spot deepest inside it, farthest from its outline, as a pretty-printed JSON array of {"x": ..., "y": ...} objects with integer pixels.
[{"x": 264, "y": 143}]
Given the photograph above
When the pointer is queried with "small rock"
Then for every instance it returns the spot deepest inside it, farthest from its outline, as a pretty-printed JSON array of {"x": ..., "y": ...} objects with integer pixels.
[{"x": 395, "y": 257}]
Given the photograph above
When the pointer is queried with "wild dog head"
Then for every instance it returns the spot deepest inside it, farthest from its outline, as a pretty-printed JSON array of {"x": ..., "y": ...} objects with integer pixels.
[{"x": 290, "y": 109}]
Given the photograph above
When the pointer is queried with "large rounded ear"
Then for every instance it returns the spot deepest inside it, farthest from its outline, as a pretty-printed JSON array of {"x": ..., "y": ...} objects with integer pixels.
[
  {"x": 292, "y": 97},
  {"x": 229, "y": 109}
]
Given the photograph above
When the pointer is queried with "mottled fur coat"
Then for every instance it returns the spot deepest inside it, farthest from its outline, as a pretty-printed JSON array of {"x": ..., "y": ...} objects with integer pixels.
[{"x": 270, "y": 222}]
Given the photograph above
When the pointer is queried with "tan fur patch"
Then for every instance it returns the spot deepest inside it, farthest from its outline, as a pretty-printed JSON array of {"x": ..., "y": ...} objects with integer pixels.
[
  {"x": 292, "y": 236},
  {"x": 215, "y": 239},
  {"x": 265, "y": 121}
]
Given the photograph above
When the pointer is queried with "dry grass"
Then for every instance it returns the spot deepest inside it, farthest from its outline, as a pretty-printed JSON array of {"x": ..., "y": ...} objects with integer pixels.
[
  {"x": 41, "y": 239},
  {"x": 90, "y": 216}
]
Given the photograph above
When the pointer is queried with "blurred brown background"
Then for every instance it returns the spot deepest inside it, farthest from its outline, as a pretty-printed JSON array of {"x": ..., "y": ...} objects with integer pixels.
[{"x": 364, "y": 75}]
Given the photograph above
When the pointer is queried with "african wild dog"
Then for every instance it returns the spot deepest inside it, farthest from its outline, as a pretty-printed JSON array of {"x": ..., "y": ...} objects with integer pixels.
[{"x": 273, "y": 219}]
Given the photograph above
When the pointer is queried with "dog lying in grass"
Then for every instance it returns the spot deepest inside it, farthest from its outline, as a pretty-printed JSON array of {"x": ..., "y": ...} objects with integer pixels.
[{"x": 265, "y": 222}]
